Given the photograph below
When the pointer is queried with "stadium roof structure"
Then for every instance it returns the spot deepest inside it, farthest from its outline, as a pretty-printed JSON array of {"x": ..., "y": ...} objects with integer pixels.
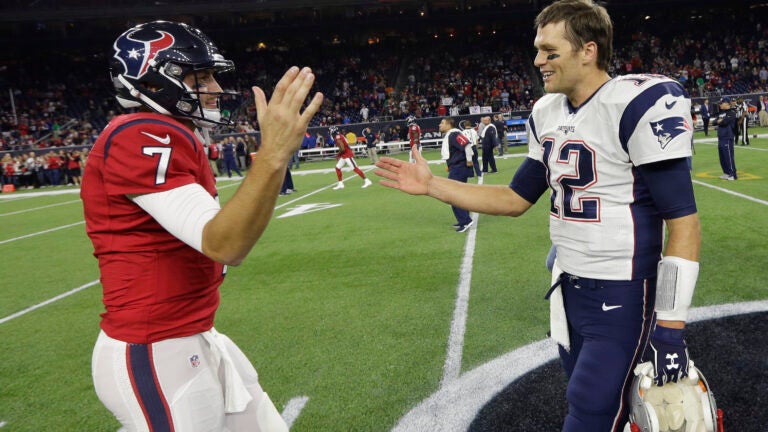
[{"x": 79, "y": 10}]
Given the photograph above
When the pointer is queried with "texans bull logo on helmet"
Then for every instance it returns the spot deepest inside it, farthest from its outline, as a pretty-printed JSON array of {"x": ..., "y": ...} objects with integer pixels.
[{"x": 136, "y": 54}]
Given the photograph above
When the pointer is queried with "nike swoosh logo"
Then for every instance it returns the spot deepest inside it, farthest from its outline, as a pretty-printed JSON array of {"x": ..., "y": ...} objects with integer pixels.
[
  {"x": 166, "y": 140},
  {"x": 669, "y": 105},
  {"x": 606, "y": 308}
]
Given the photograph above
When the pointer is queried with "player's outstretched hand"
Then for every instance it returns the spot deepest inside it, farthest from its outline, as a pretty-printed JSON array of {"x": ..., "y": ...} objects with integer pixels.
[
  {"x": 412, "y": 178},
  {"x": 281, "y": 120}
]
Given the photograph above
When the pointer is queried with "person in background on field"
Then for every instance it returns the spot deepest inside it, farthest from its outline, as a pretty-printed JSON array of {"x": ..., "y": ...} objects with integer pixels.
[
  {"x": 370, "y": 144},
  {"x": 489, "y": 140},
  {"x": 414, "y": 136},
  {"x": 242, "y": 154},
  {"x": 455, "y": 154},
  {"x": 726, "y": 123},
  {"x": 705, "y": 115},
  {"x": 345, "y": 156},
  {"x": 471, "y": 148},
  {"x": 501, "y": 131},
  {"x": 228, "y": 153}
]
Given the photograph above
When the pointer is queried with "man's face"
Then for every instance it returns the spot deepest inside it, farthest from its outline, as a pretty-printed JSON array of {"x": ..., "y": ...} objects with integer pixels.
[
  {"x": 559, "y": 64},
  {"x": 204, "y": 81},
  {"x": 443, "y": 127}
]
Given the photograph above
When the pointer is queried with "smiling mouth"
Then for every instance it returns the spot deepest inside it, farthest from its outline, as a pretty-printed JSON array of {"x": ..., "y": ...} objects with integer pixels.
[{"x": 546, "y": 75}]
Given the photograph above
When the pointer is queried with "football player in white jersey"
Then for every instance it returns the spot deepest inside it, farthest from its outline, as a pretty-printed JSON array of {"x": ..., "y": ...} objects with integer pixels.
[{"x": 613, "y": 153}]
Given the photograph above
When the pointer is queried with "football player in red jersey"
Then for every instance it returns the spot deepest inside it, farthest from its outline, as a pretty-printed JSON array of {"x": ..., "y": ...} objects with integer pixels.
[
  {"x": 163, "y": 241},
  {"x": 346, "y": 156},
  {"x": 414, "y": 135}
]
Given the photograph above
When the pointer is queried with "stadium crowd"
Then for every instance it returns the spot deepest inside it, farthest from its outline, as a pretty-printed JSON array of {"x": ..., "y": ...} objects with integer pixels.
[{"x": 375, "y": 80}]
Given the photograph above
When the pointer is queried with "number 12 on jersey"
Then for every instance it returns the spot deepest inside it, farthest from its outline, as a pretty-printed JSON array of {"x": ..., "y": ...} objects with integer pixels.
[{"x": 573, "y": 163}]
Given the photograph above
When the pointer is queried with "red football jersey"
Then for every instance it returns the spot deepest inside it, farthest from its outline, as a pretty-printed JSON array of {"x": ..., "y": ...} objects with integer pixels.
[
  {"x": 345, "y": 152},
  {"x": 154, "y": 285},
  {"x": 414, "y": 134}
]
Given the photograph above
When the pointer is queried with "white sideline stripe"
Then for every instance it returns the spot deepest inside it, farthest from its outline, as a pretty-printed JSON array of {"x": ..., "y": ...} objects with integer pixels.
[
  {"x": 740, "y": 147},
  {"x": 13, "y": 197},
  {"x": 740, "y": 195},
  {"x": 41, "y": 232},
  {"x": 452, "y": 367},
  {"x": 453, "y": 408},
  {"x": 39, "y": 208},
  {"x": 49, "y": 301},
  {"x": 293, "y": 409}
]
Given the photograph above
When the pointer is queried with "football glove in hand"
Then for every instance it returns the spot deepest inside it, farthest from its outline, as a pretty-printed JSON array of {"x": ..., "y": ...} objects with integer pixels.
[{"x": 668, "y": 353}]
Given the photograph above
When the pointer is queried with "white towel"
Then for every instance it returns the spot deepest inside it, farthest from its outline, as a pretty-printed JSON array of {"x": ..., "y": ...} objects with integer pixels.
[
  {"x": 558, "y": 323},
  {"x": 445, "y": 151},
  {"x": 236, "y": 396}
]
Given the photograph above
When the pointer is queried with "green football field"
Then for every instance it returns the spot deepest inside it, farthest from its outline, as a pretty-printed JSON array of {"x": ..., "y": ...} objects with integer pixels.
[{"x": 345, "y": 305}]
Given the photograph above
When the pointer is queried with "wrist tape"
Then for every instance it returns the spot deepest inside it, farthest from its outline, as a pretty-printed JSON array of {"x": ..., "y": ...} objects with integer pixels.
[{"x": 675, "y": 283}]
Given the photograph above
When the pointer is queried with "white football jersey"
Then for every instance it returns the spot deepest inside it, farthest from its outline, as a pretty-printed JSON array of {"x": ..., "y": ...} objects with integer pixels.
[{"x": 602, "y": 218}]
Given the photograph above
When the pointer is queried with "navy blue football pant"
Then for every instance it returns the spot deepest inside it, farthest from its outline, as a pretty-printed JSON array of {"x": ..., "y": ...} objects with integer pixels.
[
  {"x": 460, "y": 172},
  {"x": 725, "y": 150},
  {"x": 609, "y": 324}
]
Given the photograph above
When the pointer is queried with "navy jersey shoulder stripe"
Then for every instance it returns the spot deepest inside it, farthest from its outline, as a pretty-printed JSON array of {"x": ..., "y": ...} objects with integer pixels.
[
  {"x": 532, "y": 125},
  {"x": 178, "y": 128},
  {"x": 640, "y": 105}
]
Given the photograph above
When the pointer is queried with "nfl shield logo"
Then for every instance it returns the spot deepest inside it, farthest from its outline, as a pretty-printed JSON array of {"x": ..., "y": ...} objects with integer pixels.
[{"x": 194, "y": 361}]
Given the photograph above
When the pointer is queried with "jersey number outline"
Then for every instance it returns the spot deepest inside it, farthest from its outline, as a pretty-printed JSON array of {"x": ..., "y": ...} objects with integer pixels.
[
  {"x": 569, "y": 200},
  {"x": 162, "y": 162}
]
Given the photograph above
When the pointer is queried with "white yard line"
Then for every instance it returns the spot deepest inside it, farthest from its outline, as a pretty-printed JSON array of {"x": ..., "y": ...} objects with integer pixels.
[
  {"x": 2, "y": 242},
  {"x": 40, "y": 208},
  {"x": 740, "y": 195},
  {"x": 452, "y": 367},
  {"x": 47, "y": 302}
]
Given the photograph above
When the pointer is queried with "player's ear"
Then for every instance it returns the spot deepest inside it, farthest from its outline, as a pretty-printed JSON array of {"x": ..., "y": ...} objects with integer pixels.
[{"x": 589, "y": 53}]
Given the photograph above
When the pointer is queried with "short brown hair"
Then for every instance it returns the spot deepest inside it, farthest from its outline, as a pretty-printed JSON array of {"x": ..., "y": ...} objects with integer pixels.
[
  {"x": 585, "y": 21},
  {"x": 450, "y": 120}
]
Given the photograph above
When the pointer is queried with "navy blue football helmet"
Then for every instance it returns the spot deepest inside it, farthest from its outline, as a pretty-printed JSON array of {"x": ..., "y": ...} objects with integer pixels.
[{"x": 149, "y": 65}]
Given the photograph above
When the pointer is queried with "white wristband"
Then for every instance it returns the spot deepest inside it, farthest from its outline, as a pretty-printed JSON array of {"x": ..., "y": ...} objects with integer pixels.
[{"x": 675, "y": 283}]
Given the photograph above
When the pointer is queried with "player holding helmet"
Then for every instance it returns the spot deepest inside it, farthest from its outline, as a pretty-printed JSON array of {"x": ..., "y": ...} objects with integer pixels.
[
  {"x": 163, "y": 241},
  {"x": 613, "y": 154},
  {"x": 346, "y": 156},
  {"x": 414, "y": 136}
]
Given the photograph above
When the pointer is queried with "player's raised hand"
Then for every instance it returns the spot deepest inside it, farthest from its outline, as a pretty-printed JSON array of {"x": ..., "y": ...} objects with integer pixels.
[
  {"x": 281, "y": 120},
  {"x": 412, "y": 178}
]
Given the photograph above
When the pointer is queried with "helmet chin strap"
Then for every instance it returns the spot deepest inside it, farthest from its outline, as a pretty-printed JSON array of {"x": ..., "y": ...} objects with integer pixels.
[{"x": 139, "y": 95}]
